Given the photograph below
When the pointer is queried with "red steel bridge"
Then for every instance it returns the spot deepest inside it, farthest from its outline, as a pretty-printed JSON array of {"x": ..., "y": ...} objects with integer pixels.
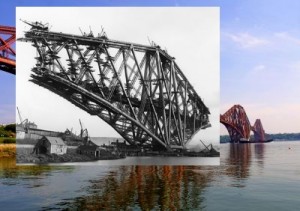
[
  {"x": 7, "y": 53},
  {"x": 138, "y": 90},
  {"x": 239, "y": 127}
]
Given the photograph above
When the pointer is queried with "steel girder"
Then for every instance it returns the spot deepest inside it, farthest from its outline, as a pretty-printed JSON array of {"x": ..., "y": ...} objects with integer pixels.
[
  {"x": 259, "y": 133},
  {"x": 7, "y": 53},
  {"x": 139, "y": 90},
  {"x": 237, "y": 123}
]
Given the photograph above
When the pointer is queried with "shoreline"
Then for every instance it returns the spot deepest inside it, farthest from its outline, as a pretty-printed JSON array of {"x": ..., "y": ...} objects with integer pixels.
[
  {"x": 53, "y": 158},
  {"x": 25, "y": 155},
  {"x": 7, "y": 150}
]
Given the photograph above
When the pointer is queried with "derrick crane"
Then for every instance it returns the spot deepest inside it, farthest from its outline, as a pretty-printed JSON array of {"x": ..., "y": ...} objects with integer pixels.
[
  {"x": 83, "y": 132},
  {"x": 23, "y": 123}
]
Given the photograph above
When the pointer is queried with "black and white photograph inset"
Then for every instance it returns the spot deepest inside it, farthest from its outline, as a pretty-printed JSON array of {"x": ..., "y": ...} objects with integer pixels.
[{"x": 118, "y": 86}]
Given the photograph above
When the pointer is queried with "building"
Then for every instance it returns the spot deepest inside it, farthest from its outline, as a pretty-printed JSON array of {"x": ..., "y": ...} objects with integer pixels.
[
  {"x": 34, "y": 133},
  {"x": 93, "y": 151},
  {"x": 89, "y": 150},
  {"x": 120, "y": 145},
  {"x": 50, "y": 145},
  {"x": 29, "y": 130},
  {"x": 31, "y": 125},
  {"x": 21, "y": 133}
]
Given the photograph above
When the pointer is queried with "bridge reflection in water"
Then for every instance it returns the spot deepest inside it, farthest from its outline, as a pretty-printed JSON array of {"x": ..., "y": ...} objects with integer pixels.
[
  {"x": 238, "y": 161},
  {"x": 147, "y": 188},
  {"x": 133, "y": 187},
  {"x": 166, "y": 187}
]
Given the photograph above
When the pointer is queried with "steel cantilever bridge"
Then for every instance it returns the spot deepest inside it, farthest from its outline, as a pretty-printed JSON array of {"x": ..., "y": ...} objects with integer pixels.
[
  {"x": 239, "y": 127},
  {"x": 7, "y": 53},
  {"x": 139, "y": 90}
]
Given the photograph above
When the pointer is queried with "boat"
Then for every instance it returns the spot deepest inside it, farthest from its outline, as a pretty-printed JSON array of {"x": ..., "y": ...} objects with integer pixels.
[{"x": 245, "y": 141}]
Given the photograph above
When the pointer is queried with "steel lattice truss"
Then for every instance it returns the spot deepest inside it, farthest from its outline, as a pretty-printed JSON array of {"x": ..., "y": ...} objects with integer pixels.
[
  {"x": 259, "y": 133},
  {"x": 237, "y": 123},
  {"x": 7, "y": 53},
  {"x": 139, "y": 90}
]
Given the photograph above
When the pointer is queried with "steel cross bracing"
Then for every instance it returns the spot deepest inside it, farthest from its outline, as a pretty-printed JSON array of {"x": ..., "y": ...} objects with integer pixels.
[
  {"x": 259, "y": 132},
  {"x": 237, "y": 123},
  {"x": 7, "y": 53},
  {"x": 139, "y": 90}
]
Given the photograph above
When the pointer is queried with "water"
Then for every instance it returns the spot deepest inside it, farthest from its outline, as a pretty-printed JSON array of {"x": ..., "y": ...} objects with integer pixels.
[
  {"x": 257, "y": 177},
  {"x": 144, "y": 160},
  {"x": 251, "y": 177}
]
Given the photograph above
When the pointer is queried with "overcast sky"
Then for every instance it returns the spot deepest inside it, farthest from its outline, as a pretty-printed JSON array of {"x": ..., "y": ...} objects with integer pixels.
[{"x": 191, "y": 35}]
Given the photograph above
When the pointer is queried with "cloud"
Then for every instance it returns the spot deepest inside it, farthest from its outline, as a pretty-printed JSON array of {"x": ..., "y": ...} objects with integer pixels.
[
  {"x": 294, "y": 66},
  {"x": 287, "y": 37},
  {"x": 259, "y": 75},
  {"x": 245, "y": 40},
  {"x": 258, "y": 68}
]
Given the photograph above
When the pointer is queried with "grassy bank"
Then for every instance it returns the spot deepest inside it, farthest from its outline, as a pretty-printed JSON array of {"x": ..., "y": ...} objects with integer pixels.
[
  {"x": 7, "y": 140},
  {"x": 7, "y": 150}
]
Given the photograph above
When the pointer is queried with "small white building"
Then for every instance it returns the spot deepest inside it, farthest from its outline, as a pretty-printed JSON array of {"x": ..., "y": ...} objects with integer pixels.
[
  {"x": 51, "y": 145},
  {"x": 20, "y": 132}
]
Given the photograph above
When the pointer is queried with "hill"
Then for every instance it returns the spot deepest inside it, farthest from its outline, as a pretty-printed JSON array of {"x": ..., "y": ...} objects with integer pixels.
[
  {"x": 8, "y": 133},
  {"x": 275, "y": 137}
]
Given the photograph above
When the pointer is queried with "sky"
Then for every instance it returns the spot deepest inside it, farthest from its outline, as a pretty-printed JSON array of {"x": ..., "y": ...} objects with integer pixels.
[
  {"x": 7, "y": 83},
  {"x": 259, "y": 54},
  {"x": 7, "y": 98},
  {"x": 178, "y": 33},
  {"x": 260, "y": 63}
]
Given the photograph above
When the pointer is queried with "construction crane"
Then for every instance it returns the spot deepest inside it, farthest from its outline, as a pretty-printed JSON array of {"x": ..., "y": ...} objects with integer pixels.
[
  {"x": 83, "y": 132},
  {"x": 22, "y": 123},
  {"x": 211, "y": 149}
]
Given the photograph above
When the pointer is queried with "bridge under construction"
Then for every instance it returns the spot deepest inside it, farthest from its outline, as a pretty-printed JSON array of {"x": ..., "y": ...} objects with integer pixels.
[{"x": 138, "y": 90}]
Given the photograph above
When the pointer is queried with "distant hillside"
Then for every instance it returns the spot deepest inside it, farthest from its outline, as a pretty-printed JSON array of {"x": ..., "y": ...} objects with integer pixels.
[
  {"x": 8, "y": 130},
  {"x": 224, "y": 139},
  {"x": 277, "y": 136},
  {"x": 105, "y": 140},
  {"x": 8, "y": 133}
]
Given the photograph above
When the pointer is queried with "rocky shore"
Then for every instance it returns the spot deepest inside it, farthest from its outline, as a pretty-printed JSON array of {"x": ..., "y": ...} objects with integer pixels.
[{"x": 52, "y": 158}]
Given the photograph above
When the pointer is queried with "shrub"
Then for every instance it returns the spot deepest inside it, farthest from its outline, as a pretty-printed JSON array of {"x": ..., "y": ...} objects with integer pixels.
[{"x": 9, "y": 141}]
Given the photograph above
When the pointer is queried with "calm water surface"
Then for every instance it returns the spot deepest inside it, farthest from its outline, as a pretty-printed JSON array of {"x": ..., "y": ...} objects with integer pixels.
[
  {"x": 144, "y": 160},
  {"x": 250, "y": 177},
  {"x": 256, "y": 177}
]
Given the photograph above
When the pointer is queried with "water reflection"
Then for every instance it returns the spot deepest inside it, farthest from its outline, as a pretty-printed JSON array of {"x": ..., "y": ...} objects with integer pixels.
[
  {"x": 259, "y": 150},
  {"x": 146, "y": 188},
  {"x": 135, "y": 187},
  {"x": 11, "y": 174},
  {"x": 238, "y": 160},
  {"x": 243, "y": 168}
]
